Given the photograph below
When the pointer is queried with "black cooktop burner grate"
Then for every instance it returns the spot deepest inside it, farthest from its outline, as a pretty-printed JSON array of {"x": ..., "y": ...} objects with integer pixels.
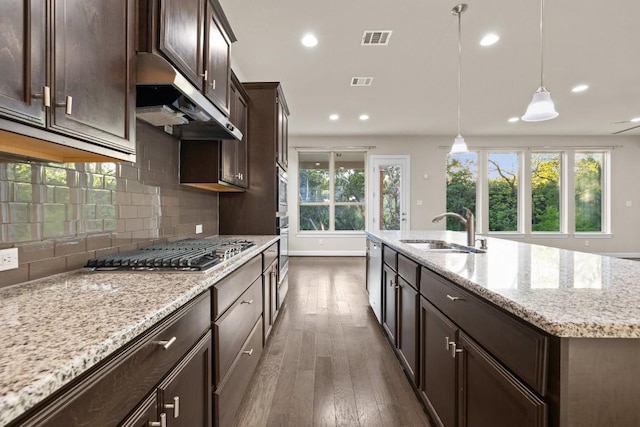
[{"x": 181, "y": 255}]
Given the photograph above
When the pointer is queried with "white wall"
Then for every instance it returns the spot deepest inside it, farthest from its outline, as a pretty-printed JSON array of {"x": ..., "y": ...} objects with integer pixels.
[{"x": 428, "y": 156}]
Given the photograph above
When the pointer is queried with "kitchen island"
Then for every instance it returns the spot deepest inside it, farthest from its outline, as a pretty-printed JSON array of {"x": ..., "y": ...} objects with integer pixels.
[
  {"x": 560, "y": 327},
  {"x": 58, "y": 329}
]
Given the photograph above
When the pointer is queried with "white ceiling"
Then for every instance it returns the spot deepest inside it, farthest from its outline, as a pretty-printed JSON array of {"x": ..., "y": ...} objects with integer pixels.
[{"x": 414, "y": 91}]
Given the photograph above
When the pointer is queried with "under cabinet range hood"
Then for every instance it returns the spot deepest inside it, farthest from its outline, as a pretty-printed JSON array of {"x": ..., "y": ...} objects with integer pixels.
[{"x": 166, "y": 97}]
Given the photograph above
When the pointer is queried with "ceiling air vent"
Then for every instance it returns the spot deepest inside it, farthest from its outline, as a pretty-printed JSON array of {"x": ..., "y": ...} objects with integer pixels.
[
  {"x": 376, "y": 38},
  {"x": 361, "y": 81}
]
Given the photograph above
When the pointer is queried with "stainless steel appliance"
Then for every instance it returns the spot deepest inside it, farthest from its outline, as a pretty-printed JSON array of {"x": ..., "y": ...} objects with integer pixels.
[
  {"x": 374, "y": 276},
  {"x": 181, "y": 255}
]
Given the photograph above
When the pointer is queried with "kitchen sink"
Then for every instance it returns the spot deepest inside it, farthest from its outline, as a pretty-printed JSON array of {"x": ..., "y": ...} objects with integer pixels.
[{"x": 440, "y": 246}]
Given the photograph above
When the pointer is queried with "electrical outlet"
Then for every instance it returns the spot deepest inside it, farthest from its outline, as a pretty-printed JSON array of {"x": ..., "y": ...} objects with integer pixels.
[
  {"x": 198, "y": 228},
  {"x": 8, "y": 259},
  {"x": 586, "y": 243}
]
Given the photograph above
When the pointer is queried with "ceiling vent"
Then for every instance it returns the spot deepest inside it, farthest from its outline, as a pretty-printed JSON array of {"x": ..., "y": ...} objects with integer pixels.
[
  {"x": 361, "y": 81},
  {"x": 376, "y": 38}
]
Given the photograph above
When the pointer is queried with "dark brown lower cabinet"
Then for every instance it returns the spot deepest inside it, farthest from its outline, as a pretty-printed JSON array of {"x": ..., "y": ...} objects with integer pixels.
[
  {"x": 490, "y": 396},
  {"x": 146, "y": 414},
  {"x": 270, "y": 289},
  {"x": 389, "y": 302},
  {"x": 438, "y": 365},
  {"x": 407, "y": 345}
]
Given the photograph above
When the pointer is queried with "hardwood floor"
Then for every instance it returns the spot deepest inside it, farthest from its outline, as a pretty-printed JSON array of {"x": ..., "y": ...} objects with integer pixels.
[{"x": 327, "y": 362}]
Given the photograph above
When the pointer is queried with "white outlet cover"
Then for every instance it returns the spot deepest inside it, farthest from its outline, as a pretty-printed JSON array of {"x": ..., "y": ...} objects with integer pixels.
[
  {"x": 198, "y": 228},
  {"x": 8, "y": 259}
]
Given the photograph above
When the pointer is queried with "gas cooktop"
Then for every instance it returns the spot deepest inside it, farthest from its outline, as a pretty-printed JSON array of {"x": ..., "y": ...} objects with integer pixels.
[{"x": 181, "y": 255}]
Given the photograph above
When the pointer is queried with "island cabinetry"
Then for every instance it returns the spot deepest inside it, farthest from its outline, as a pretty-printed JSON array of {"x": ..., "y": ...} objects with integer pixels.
[
  {"x": 48, "y": 83},
  {"x": 400, "y": 315},
  {"x": 107, "y": 394},
  {"x": 238, "y": 337},
  {"x": 497, "y": 364}
]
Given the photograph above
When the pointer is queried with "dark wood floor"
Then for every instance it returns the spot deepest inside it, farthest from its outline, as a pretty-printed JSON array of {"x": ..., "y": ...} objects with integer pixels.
[{"x": 327, "y": 362}]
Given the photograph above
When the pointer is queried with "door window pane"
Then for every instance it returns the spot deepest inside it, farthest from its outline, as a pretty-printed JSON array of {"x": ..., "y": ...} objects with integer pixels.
[
  {"x": 314, "y": 177},
  {"x": 588, "y": 191},
  {"x": 503, "y": 172},
  {"x": 314, "y": 217},
  {"x": 545, "y": 191},
  {"x": 462, "y": 175},
  {"x": 390, "y": 192}
]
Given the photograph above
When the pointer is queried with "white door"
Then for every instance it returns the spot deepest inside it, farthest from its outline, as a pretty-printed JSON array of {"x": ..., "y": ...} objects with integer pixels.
[{"x": 389, "y": 192}]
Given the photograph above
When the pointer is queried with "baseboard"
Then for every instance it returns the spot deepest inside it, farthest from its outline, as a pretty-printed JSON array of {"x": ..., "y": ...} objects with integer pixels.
[{"x": 327, "y": 253}]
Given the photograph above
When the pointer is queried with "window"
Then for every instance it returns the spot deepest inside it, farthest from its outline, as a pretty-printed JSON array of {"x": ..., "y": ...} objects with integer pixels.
[
  {"x": 332, "y": 192},
  {"x": 545, "y": 192},
  {"x": 588, "y": 191},
  {"x": 462, "y": 175},
  {"x": 505, "y": 196},
  {"x": 503, "y": 180}
]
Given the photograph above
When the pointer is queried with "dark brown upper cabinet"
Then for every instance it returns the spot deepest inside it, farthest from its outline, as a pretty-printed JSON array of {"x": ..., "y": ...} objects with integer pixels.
[
  {"x": 195, "y": 36},
  {"x": 72, "y": 85},
  {"x": 234, "y": 153}
]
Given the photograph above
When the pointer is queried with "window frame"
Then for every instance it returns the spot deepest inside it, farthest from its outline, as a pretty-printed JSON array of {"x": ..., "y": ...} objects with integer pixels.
[{"x": 332, "y": 203}]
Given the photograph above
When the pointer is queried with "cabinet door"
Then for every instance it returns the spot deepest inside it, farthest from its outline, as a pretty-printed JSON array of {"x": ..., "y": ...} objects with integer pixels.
[
  {"x": 282, "y": 134},
  {"x": 273, "y": 280},
  {"x": 266, "y": 303},
  {"x": 217, "y": 63},
  {"x": 182, "y": 35},
  {"x": 389, "y": 302},
  {"x": 145, "y": 414},
  {"x": 93, "y": 76},
  {"x": 242, "y": 167},
  {"x": 437, "y": 364},
  {"x": 228, "y": 155},
  {"x": 22, "y": 60},
  {"x": 185, "y": 395},
  {"x": 408, "y": 327},
  {"x": 490, "y": 396}
]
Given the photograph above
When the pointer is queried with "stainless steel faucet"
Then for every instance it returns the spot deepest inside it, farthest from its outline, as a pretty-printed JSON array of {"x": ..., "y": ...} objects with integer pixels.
[{"x": 468, "y": 220}]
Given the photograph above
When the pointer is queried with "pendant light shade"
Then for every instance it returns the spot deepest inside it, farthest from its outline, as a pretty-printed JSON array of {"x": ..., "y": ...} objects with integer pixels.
[
  {"x": 459, "y": 146},
  {"x": 541, "y": 106}
]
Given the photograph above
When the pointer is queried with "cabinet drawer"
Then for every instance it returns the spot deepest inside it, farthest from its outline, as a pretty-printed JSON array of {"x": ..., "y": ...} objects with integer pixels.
[
  {"x": 130, "y": 376},
  {"x": 226, "y": 291},
  {"x": 228, "y": 396},
  {"x": 269, "y": 255},
  {"x": 232, "y": 329},
  {"x": 408, "y": 270},
  {"x": 518, "y": 346},
  {"x": 390, "y": 257}
]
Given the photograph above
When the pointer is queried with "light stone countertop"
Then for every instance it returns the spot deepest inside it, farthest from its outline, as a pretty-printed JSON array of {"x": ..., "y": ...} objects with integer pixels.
[
  {"x": 55, "y": 329},
  {"x": 565, "y": 293}
]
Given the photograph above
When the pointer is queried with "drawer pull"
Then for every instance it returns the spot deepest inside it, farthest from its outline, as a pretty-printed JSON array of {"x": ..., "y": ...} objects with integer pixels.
[
  {"x": 453, "y": 298},
  {"x": 247, "y": 302},
  {"x": 166, "y": 344},
  {"x": 248, "y": 352},
  {"x": 161, "y": 423},
  {"x": 175, "y": 406}
]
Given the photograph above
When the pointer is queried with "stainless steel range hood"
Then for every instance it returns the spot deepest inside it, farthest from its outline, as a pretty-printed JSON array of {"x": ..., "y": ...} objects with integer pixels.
[{"x": 166, "y": 97}]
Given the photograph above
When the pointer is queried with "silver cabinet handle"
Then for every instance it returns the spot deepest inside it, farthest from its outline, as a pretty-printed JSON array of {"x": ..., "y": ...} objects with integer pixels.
[
  {"x": 455, "y": 350},
  {"x": 248, "y": 352},
  {"x": 45, "y": 96},
  {"x": 161, "y": 423},
  {"x": 213, "y": 84},
  {"x": 205, "y": 75},
  {"x": 447, "y": 344},
  {"x": 68, "y": 104},
  {"x": 453, "y": 298},
  {"x": 166, "y": 344},
  {"x": 175, "y": 406},
  {"x": 247, "y": 302}
]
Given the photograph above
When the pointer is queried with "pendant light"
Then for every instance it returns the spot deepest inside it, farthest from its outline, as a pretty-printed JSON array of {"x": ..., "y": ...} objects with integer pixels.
[
  {"x": 541, "y": 106},
  {"x": 459, "y": 146}
]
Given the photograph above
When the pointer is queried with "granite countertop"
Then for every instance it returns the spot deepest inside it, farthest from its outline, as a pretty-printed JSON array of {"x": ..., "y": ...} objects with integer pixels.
[
  {"x": 565, "y": 293},
  {"x": 56, "y": 328}
]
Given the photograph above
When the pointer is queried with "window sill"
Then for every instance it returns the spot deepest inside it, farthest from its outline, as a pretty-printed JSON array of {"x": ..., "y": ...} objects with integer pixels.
[
  {"x": 592, "y": 235},
  {"x": 545, "y": 235},
  {"x": 341, "y": 234}
]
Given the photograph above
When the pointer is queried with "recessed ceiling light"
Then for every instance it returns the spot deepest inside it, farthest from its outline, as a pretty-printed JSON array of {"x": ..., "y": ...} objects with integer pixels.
[
  {"x": 309, "y": 40},
  {"x": 514, "y": 119},
  {"x": 635, "y": 120},
  {"x": 364, "y": 117},
  {"x": 334, "y": 117},
  {"x": 580, "y": 88},
  {"x": 489, "y": 39}
]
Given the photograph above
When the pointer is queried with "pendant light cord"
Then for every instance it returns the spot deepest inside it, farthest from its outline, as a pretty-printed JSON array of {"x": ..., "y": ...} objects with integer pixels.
[
  {"x": 459, "y": 67},
  {"x": 541, "y": 44}
]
